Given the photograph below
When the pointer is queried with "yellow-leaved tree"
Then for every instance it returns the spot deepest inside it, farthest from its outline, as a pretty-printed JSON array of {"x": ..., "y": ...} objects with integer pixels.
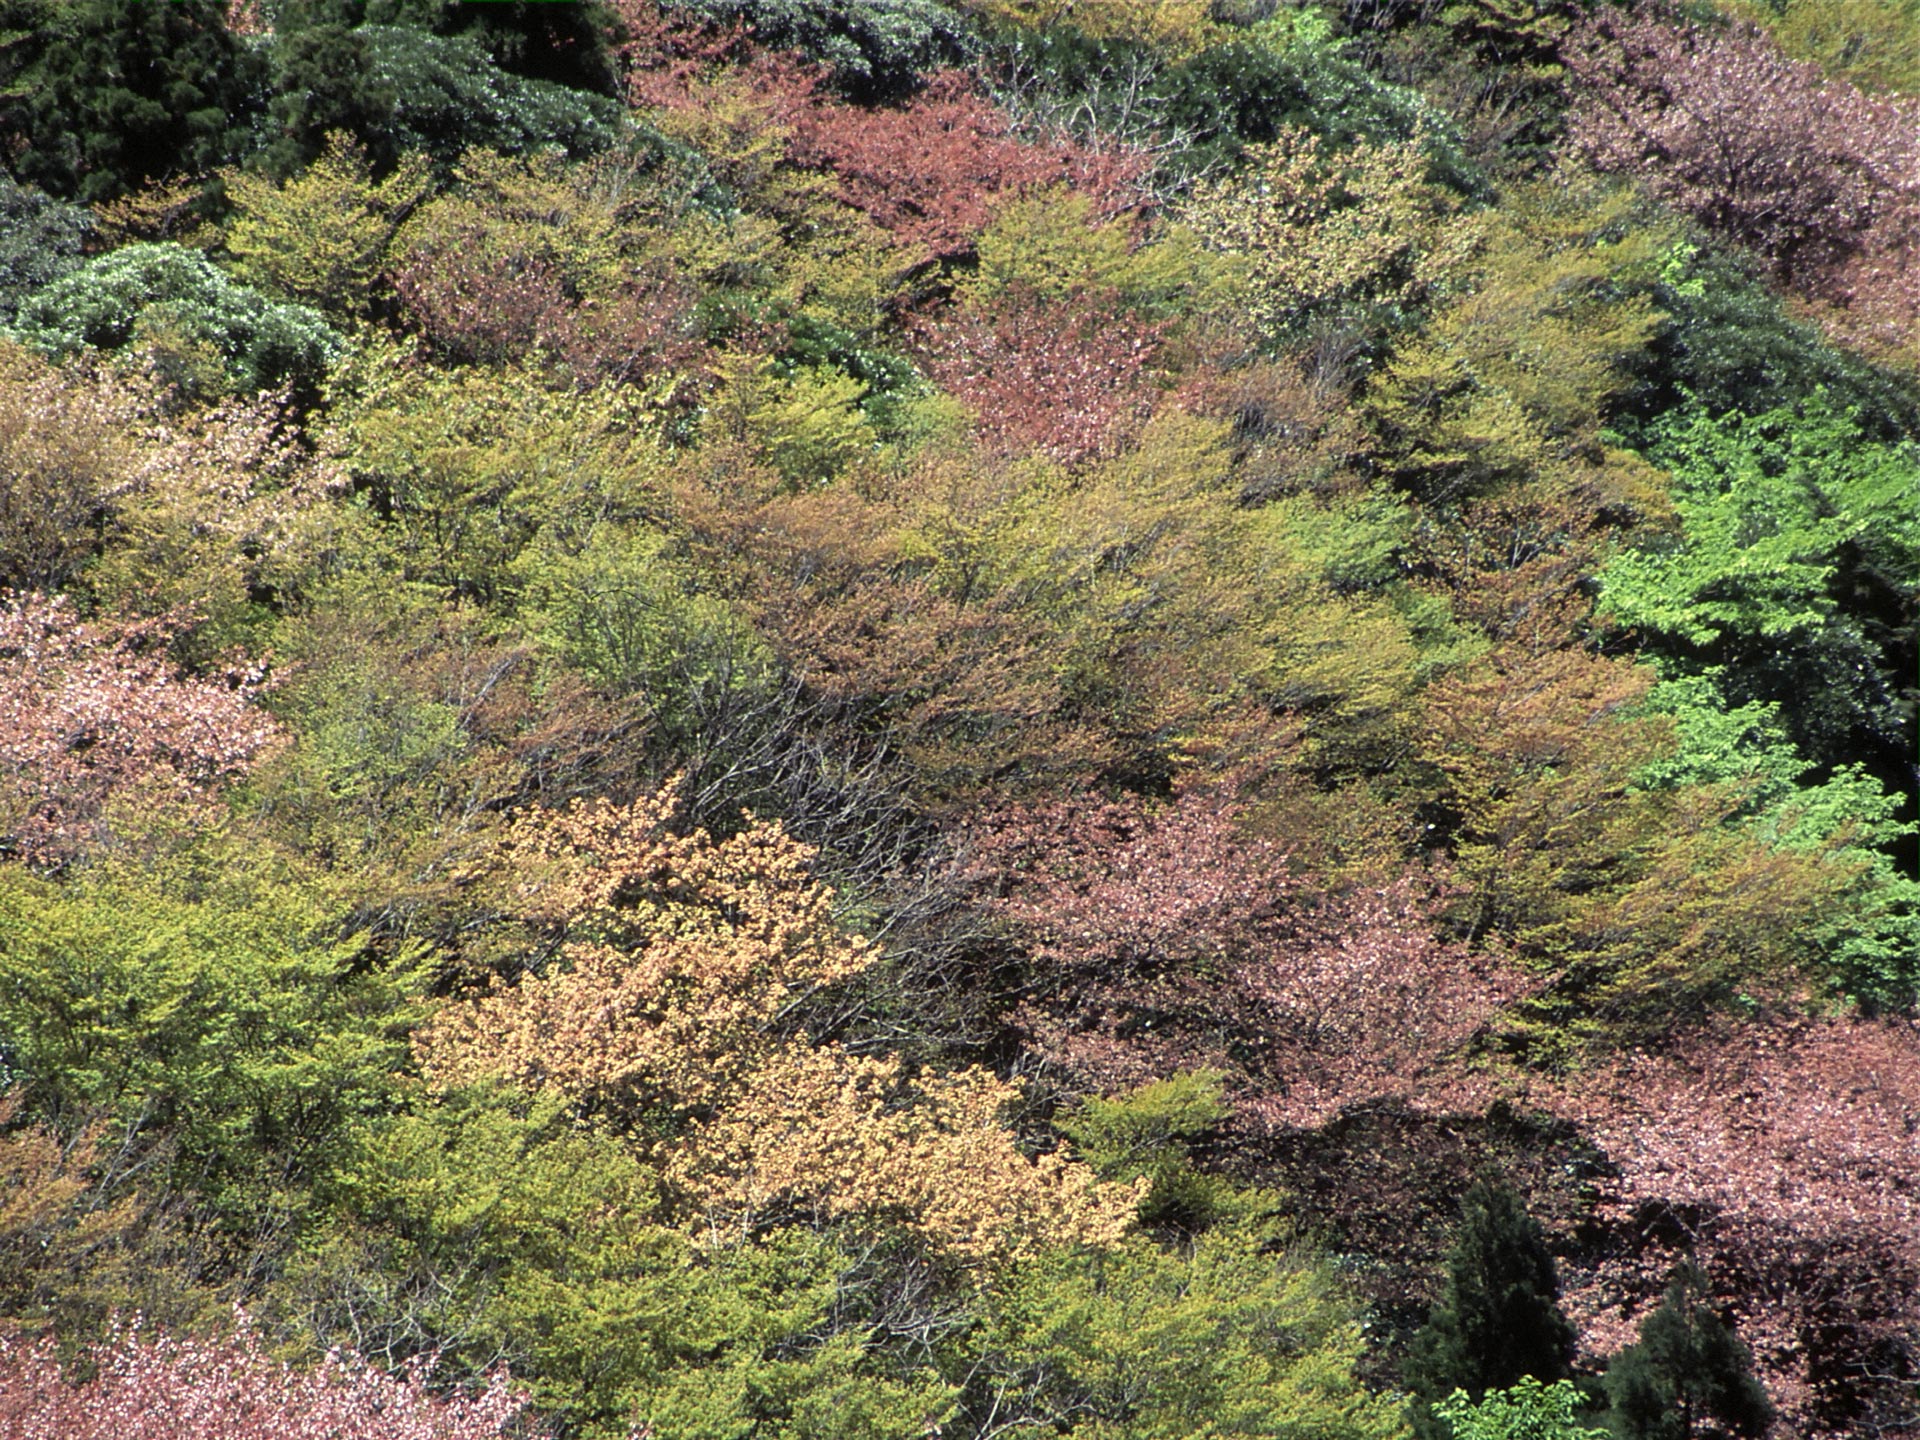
[
  {"x": 661, "y": 990},
  {"x": 322, "y": 236}
]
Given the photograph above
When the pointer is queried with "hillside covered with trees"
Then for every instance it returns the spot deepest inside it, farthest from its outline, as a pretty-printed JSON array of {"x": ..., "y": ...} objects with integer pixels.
[{"x": 1131, "y": 719}]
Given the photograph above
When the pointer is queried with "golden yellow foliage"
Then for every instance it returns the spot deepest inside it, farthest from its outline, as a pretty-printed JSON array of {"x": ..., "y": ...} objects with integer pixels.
[
  {"x": 841, "y": 1135},
  {"x": 679, "y": 954},
  {"x": 679, "y": 959}
]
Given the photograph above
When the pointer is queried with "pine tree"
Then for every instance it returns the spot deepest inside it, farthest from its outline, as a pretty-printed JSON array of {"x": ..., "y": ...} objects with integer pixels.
[
  {"x": 1688, "y": 1375},
  {"x": 1499, "y": 1319},
  {"x": 108, "y": 93}
]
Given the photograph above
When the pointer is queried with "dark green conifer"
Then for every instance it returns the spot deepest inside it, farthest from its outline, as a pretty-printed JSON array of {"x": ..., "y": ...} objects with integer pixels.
[
  {"x": 97, "y": 96},
  {"x": 1499, "y": 1319},
  {"x": 1688, "y": 1375}
]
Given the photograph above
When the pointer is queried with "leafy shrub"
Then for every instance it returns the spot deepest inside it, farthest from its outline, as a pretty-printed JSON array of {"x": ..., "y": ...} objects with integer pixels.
[
  {"x": 168, "y": 297},
  {"x": 449, "y": 96},
  {"x": 321, "y": 237},
  {"x": 876, "y": 49},
  {"x": 1197, "y": 107},
  {"x": 40, "y": 240},
  {"x": 98, "y": 711}
]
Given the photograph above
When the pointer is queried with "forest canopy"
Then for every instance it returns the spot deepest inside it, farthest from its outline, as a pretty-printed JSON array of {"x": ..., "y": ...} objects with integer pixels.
[{"x": 1135, "y": 719}]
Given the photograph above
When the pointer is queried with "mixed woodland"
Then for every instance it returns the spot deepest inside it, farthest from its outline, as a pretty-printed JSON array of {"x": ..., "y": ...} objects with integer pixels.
[{"x": 1133, "y": 719}]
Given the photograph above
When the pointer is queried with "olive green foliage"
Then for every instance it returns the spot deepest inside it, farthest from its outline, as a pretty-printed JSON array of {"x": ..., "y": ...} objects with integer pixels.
[
  {"x": 179, "y": 308},
  {"x": 1150, "y": 1133},
  {"x": 322, "y": 236},
  {"x": 626, "y": 610},
  {"x": 206, "y": 1001},
  {"x": 470, "y": 466},
  {"x": 1237, "y": 1336},
  {"x": 1052, "y": 244},
  {"x": 109, "y": 93},
  {"x": 1356, "y": 237},
  {"x": 1215, "y": 413},
  {"x": 1874, "y": 43},
  {"x": 1512, "y": 376}
]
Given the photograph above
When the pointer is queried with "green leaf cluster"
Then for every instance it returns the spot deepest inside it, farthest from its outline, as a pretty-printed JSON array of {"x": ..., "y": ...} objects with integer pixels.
[{"x": 175, "y": 304}]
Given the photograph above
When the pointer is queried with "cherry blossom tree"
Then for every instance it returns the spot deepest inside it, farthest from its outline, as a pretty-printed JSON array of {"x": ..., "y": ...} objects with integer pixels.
[
  {"x": 1175, "y": 940},
  {"x": 158, "y": 1387},
  {"x": 93, "y": 710},
  {"x": 1785, "y": 1154}
]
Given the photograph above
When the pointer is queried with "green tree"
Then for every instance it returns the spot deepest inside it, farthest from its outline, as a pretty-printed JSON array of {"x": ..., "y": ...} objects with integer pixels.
[
  {"x": 321, "y": 237},
  {"x": 877, "y": 49},
  {"x": 449, "y": 96},
  {"x": 1499, "y": 1319},
  {"x": 1688, "y": 1375},
  {"x": 40, "y": 240},
  {"x": 1236, "y": 1334},
  {"x": 180, "y": 308},
  {"x": 114, "y": 92},
  {"x": 1795, "y": 570},
  {"x": 1869, "y": 937},
  {"x": 203, "y": 1000},
  {"x": 1527, "y": 1410}
]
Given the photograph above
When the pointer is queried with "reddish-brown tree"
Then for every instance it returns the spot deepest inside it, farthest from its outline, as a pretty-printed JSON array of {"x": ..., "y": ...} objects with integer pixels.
[
  {"x": 90, "y": 711},
  {"x": 1785, "y": 1153},
  {"x": 1821, "y": 179},
  {"x": 1169, "y": 940},
  {"x": 934, "y": 170},
  {"x": 1066, "y": 378},
  {"x": 163, "y": 1388}
]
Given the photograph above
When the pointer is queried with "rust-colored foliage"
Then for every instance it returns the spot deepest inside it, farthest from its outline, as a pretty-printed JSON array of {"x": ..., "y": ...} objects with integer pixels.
[
  {"x": 1063, "y": 377},
  {"x": 92, "y": 711},
  {"x": 933, "y": 171},
  {"x": 1171, "y": 940},
  {"x": 1786, "y": 1154},
  {"x": 475, "y": 308},
  {"x": 1821, "y": 179}
]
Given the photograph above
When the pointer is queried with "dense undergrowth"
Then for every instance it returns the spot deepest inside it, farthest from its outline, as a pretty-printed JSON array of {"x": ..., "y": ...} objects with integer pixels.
[{"x": 960, "y": 717}]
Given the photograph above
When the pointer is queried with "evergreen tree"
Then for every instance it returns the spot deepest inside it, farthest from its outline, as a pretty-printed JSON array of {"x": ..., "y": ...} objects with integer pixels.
[
  {"x": 108, "y": 93},
  {"x": 1688, "y": 1375},
  {"x": 1499, "y": 1319},
  {"x": 40, "y": 240}
]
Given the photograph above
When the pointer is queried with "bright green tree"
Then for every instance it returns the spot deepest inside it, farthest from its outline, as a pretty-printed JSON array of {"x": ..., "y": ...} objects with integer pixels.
[
  {"x": 1795, "y": 569},
  {"x": 1526, "y": 1410}
]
